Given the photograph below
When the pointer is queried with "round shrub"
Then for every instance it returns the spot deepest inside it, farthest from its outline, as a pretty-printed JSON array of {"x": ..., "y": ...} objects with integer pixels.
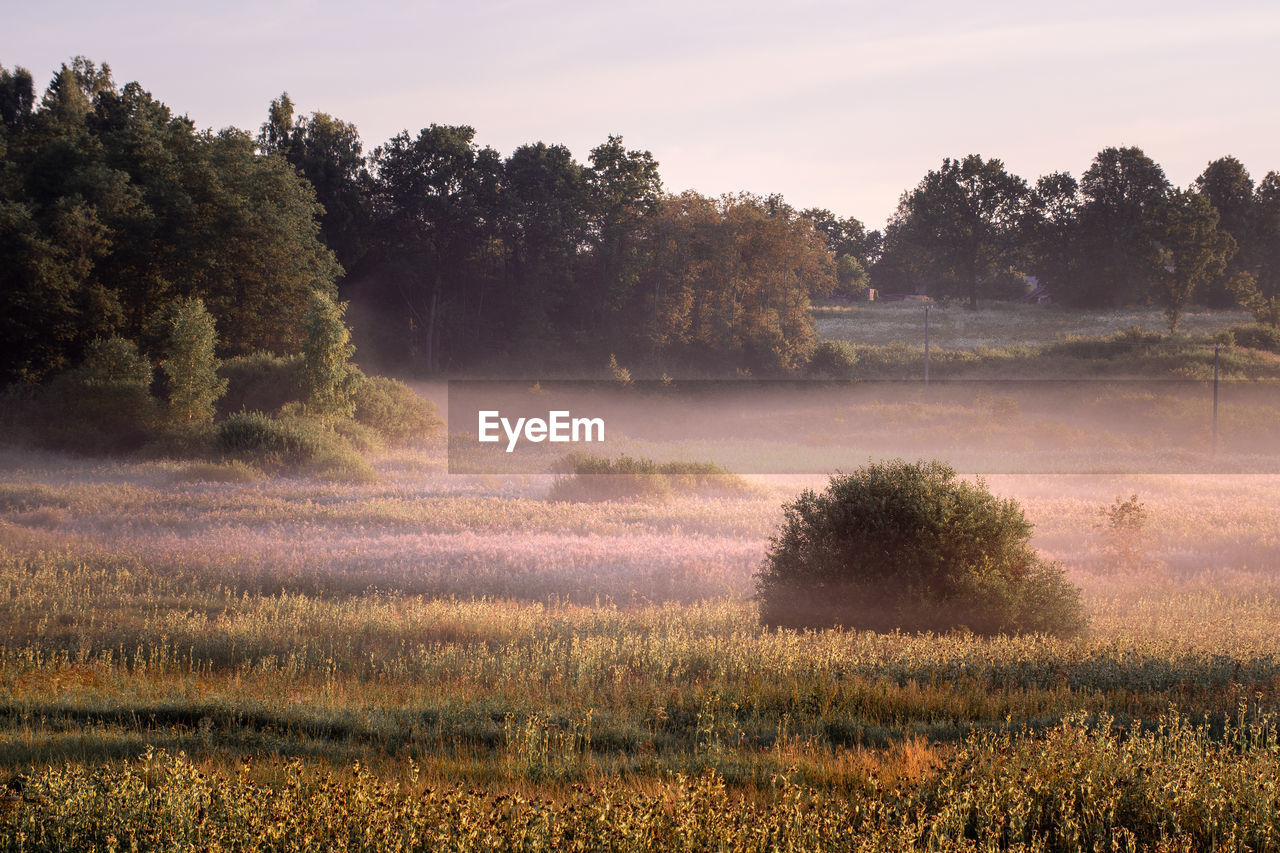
[
  {"x": 834, "y": 359},
  {"x": 283, "y": 442},
  {"x": 908, "y": 546},
  {"x": 292, "y": 442},
  {"x": 391, "y": 408}
]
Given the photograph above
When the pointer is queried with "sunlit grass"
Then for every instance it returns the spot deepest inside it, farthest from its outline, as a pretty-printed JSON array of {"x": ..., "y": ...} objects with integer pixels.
[{"x": 509, "y": 672}]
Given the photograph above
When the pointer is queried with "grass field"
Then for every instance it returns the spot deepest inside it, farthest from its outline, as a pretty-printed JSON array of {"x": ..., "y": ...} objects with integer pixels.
[
  {"x": 196, "y": 657},
  {"x": 999, "y": 324},
  {"x": 204, "y": 663}
]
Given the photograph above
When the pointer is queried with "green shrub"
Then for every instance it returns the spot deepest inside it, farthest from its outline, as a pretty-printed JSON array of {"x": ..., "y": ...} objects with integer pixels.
[
  {"x": 259, "y": 433},
  {"x": 104, "y": 405},
  {"x": 900, "y": 545},
  {"x": 391, "y": 408},
  {"x": 261, "y": 382},
  {"x": 596, "y": 478},
  {"x": 329, "y": 379},
  {"x": 833, "y": 359},
  {"x": 1264, "y": 338},
  {"x": 191, "y": 366},
  {"x": 291, "y": 442}
]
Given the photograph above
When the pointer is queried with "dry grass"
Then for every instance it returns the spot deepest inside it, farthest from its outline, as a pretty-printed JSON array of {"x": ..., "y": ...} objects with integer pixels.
[{"x": 195, "y": 663}]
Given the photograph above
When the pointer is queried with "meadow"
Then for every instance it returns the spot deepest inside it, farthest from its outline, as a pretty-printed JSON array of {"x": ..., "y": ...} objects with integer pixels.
[
  {"x": 197, "y": 656},
  {"x": 954, "y": 326}
]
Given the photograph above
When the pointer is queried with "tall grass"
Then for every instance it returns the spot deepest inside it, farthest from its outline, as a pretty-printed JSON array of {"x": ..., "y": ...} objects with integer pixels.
[{"x": 437, "y": 662}]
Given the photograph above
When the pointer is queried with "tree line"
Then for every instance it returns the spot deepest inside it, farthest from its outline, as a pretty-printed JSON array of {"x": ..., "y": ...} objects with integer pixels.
[
  {"x": 114, "y": 212},
  {"x": 1122, "y": 235}
]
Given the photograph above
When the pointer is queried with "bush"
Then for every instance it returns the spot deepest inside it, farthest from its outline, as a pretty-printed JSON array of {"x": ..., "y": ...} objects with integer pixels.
[
  {"x": 291, "y": 442},
  {"x": 261, "y": 382},
  {"x": 1124, "y": 524},
  {"x": 191, "y": 366},
  {"x": 102, "y": 406},
  {"x": 900, "y": 545},
  {"x": 833, "y": 359},
  {"x": 391, "y": 408},
  {"x": 595, "y": 478},
  {"x": 328, "y": 377},
  {"x": 1257, "y": 337}
]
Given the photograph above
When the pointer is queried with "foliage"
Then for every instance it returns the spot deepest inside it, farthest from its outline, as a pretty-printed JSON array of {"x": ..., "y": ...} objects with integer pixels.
[
  {"x": 1120, "y": 189},
  {"x": 1193, "y": 250},
  {"x": 104, "y": 405},
  {"x": 329, "y": 380},
  {"x": 191, "y": 365},
  {"x": 261, "y": 381},
  {"x": 960, "y": 223},
  {"x": 596, "y": 478},
  {"x": 1226, "y": 184},
  {"x": 437, "y": 192},
  {"x": 113, "y": 208},
  {"x": 115, "y": 361},
  {"x": 1257, "y": 337},
  {"x": 394, "y": 410},
  {"x": 290, "y": 443},
  {"x": 1124, "y": 524},
  {"x": 907, "y": 545},
  {"x": 730, "y": 281},
  {"x": 1259, "y": 289},
  {"x": 617, "y": 372},
  {"x": 834, "y": 360},
  {"x": 329, "y": 154},
  {"x": 1051, "y": 234}
]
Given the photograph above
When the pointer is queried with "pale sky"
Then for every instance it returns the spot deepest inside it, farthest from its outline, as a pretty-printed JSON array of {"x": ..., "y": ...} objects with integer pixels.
[{"x": 837, "y": 105}]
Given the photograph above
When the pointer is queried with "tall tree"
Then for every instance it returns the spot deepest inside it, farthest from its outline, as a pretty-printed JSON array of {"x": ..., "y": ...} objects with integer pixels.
[
  {"x": 1052, "y": 233},
  {"x": 17, "y": 97},
  {"x": 851, "y": 246},
  {"x": 1192, "y": 250},
  {"x": 112, "y": 209},
  {"x": 329, "y": 154},
  {"x": 962, "y": 221},
  {"x": 545, "y": 221},
  {"x": 1120, "y": 189},
  {"x": 328, "y": 377},
  {"x": 1260, "y": 292},
  {"x": 437, "y": 200},
  {"x": 1228, "y": 187},
  {"x": 730, "y": 281},
  {"x": 276, "y": 133},
  {"x": 625, "y": 189}
]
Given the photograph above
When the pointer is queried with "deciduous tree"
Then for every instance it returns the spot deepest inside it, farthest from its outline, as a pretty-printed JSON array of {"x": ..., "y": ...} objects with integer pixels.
[
  {"x": 1120, "y": 189},
  {"x": 961, "y": 221},
  {"x": 1191, "y": 247},
  {"x": 191, "y": 365}
]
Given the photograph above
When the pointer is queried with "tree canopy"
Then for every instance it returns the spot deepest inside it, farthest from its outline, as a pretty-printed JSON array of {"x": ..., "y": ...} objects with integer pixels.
[{"x": 114, "y": 210}]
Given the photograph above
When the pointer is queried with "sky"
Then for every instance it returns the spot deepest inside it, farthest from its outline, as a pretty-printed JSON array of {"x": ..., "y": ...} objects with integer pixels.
[{"x": 835, "y": 105}]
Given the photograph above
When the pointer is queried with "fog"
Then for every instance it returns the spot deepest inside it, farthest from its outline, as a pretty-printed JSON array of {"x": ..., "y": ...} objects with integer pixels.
[
  {"x": 1064, "y": 451},
  {"x": 1014, "y": 426}
]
